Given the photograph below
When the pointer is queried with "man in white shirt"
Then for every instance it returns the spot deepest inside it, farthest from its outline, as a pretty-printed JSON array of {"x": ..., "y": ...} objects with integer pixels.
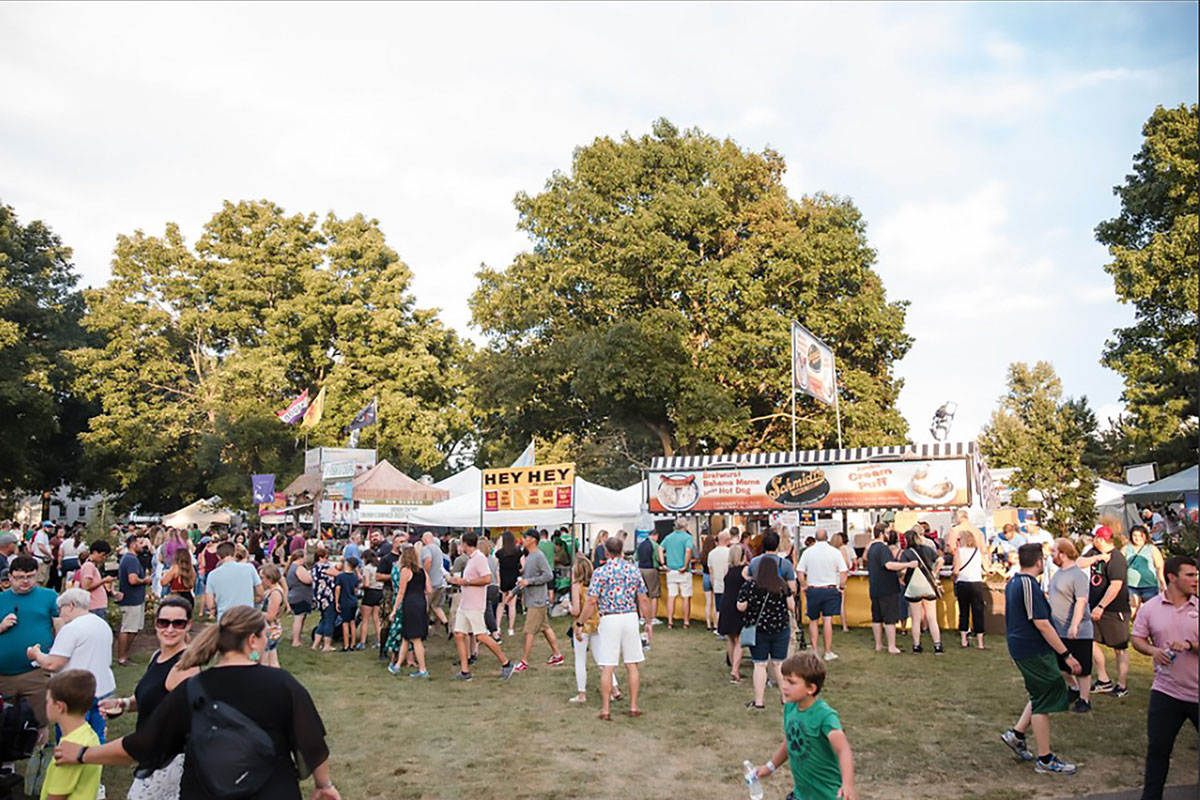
[
  {"x": 718, "y": 566},
  {"x": 40, "y": 550},
  {"x": 823, "y": 574}
]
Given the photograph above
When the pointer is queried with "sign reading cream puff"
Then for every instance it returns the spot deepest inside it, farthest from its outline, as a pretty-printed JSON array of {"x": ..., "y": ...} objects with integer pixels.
[{"x": 529, "y": 488}]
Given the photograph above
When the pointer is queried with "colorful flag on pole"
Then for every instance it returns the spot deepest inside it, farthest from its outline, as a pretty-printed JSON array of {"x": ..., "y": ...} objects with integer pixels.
[
  {"x": 368, "y": 416},
  {"x": 312, "y": 417},
  {"x": 526, "y": 458},
  {"x": 292, "y": 414},
  {"x": 263, "y": 487}
]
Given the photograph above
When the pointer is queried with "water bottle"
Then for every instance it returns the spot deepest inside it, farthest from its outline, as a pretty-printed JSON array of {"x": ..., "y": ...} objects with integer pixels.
[
  {"x": 1171, "y": 656},
  {"x": 751, "y": 774}
]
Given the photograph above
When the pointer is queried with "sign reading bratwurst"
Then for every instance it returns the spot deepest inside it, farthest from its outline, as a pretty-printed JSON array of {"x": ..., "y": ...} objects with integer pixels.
[
  {"x": 941, "y": 483},
  {"x": 529, "y": 488}
]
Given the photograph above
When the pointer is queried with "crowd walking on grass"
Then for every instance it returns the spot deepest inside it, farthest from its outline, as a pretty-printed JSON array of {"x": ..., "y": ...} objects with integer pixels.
[{"x": 217, "y": 604}]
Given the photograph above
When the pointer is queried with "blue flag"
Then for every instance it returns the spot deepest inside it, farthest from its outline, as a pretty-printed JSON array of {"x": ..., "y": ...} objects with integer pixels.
[
  {"x": 368, "y": 416},
  {"x": 263, "y": 487}
]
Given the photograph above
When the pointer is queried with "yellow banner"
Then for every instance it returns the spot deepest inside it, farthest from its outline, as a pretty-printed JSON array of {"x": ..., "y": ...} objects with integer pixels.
[{"x": 529, "y": 488}]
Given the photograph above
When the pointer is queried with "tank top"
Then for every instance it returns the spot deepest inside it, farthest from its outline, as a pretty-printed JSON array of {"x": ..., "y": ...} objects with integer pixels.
[
  {"x": 297, "y": 590},
  {"x": 1141, "y": 566},
  {"x": 152, "y": 688},
  {"x": 971, "y": 570}
]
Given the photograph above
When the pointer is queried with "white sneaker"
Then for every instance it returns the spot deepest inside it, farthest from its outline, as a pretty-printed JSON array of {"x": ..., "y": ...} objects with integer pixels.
[{"x": 831, "y": 656}]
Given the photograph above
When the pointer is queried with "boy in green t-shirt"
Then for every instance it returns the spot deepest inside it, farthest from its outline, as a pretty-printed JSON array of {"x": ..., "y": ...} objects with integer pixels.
[
  {"x": 814, "y": 744},
  {"x": 69, "y": 697}
]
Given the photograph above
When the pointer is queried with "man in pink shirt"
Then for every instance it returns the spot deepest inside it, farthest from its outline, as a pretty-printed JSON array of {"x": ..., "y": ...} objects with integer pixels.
[
  {"x": 1165, "y": 629},
  {"x": 468, "y": 621}
]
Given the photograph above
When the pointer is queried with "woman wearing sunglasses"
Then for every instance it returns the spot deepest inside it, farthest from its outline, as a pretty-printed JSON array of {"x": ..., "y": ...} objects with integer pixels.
[{"x": 163, "y": 674}]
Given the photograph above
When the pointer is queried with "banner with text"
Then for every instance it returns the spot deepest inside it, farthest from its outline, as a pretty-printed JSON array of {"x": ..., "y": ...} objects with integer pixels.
[
  {"x": 529, "y": 488},
  {"x": 917, "y": 484}
]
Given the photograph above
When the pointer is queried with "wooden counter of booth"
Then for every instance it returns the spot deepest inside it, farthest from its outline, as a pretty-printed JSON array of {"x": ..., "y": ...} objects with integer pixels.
[{"x": 858, "y": 604}]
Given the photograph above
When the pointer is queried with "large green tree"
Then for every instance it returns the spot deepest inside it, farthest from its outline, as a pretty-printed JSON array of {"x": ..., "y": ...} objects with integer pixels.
[
  {"x": 1153, "y": 243},
  {"x": 40, "y": 417},
  {"x": 652, "y": 314},
  {"x": 204, "y": 344},
  {"x": 1045, "y": 439}
]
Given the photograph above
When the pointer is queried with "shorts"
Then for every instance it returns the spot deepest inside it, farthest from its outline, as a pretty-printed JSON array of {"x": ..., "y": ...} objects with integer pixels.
[
  {"x": 537, "y": 620},
  {"x": 470, "y": 621},
  {"x": 437, "y": 598},
  {"x": 303, "y": 607},
  {"x": 822, "y": 602},
  {"x": 1082, "y": 650},
  {"x": 133, "y": 618},
  {"x": 274, "y": 635},
  {"x": 679, "y": 582},
  {"x": 1144, "y": 592},
  {"x": 706, "y": 582},
  {"x": 770, "y": 646},
  {"x": 102, "y": 613},
  {"x": 1113, "y": 630},
  {"x": 617, "y": 639},
  {"x": 347, "y": 614},
  {"x": 886, "y": 609},
  {"x": 30, "y": 685},
  {"x": 653, "y": 583},
  {"x": 1044, "y": 683},
  {"x": 372, "y": 597}
]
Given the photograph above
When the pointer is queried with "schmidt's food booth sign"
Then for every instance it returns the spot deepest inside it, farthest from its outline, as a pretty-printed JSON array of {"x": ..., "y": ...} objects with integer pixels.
[{"x": 912, "y": 476}]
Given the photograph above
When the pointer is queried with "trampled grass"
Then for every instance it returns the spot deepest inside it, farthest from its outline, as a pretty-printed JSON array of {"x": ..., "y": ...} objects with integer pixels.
[{"x": 921, "y": 727}]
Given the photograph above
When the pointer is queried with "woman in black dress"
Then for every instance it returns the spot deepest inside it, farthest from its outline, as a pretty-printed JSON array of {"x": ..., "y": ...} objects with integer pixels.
[
  {"x": 271, "y": 698},
  {"x": 410, "y": 620},
  {"x": 509, "y": 558},
  {"x": 729, "y": 619}
]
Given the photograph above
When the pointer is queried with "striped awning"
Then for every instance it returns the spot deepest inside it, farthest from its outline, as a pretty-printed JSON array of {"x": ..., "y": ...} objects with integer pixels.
[{"x": 844, "y": 456}]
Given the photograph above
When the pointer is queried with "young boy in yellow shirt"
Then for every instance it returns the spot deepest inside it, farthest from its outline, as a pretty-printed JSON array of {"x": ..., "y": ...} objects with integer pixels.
[{"x": 69, "y": 697}]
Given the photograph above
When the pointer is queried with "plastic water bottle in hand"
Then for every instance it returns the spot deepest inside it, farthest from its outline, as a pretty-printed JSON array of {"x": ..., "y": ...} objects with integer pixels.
[
  {"x": 1170, "y": 654},
  {"x": 751, "y": 774}
]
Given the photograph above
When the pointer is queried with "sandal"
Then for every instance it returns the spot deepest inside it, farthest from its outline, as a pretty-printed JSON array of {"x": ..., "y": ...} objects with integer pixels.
[
  {"x": 735, "y": 679},
  {"x": 635, "y": 712},
  {"x": 604, "y": 715},
  {"x": 752, "y": 704}
]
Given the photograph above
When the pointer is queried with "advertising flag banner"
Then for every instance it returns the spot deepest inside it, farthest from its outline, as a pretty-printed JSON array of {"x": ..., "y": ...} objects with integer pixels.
[
  {"x": 273, "y": 506},
  {"x": 295, "y": 409},
  {"x": 529, "y": 488},
  {"x": 312, "y": 417},
  {"x": 263, "y": 487},
  {"x": 368, "y": 416},
  {"x": 526, "y": 457},
  {"x": 813, "y": 371}
]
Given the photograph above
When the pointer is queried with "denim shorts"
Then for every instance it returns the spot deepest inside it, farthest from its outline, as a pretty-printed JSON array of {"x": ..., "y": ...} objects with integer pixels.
[
  {"x": 706, "y": 582},
  {"x": 1144, "y": 592},
  {"x": 770, "y": 646}
]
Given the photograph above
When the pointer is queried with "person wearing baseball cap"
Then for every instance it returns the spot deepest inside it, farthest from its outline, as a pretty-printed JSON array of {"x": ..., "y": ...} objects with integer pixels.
[
  {"x": 1109, "y": 601},
  {"x": 8, "y": 548}
]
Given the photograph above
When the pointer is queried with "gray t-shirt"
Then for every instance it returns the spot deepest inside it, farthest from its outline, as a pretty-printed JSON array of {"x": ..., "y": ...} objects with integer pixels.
[
  {"x": 437, "y": 575},
  {"x": 537, "y": 575},
  {"x": 1066, "y": 587}
]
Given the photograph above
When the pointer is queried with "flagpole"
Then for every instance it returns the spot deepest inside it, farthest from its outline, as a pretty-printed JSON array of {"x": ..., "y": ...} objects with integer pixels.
[
  {"x": 837, "y": 408},
  {"x": 792, "y": 337}
]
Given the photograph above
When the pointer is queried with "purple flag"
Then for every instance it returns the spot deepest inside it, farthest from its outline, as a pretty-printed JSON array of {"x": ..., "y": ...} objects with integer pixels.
[{"x": 263, "y": 487}]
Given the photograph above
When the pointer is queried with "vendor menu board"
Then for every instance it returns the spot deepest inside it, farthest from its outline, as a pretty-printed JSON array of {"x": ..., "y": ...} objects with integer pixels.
[
  {"x": 529, "y": 488},
  {"x": 893, "y": 484}
]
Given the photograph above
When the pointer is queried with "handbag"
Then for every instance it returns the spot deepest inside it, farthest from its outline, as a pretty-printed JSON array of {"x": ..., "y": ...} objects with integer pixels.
[
  {"x": 749, "y": 636},
  {"x": 921, "y": 583}
]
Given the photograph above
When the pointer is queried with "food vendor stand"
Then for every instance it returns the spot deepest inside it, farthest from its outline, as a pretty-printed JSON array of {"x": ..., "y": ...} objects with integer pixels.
[{"x": 876, "y": 480}]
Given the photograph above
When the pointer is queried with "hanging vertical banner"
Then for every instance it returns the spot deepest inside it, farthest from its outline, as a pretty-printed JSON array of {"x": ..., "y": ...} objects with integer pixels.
[
  {"x": 295, "y": 409},
  {"x": 263, "y": 488},
  {"x": 812, "y": 366},
  {"x": 312, "y": 417}
]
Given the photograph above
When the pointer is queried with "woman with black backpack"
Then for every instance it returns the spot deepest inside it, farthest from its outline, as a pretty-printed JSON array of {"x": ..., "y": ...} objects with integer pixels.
[{"x": 245, "y": 731}]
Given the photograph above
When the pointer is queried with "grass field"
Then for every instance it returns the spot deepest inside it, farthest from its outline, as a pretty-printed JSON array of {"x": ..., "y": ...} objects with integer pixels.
[{"x": 920, "y": 726}]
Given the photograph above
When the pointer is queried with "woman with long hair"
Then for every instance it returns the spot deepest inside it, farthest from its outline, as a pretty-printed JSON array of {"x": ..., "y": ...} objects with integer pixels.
[
  {"x": 271, "y": 698},
  {"x": 1145, "y": 561},
  {"x": 922, "y": 605},
  {"x": 299, "y": 593},
  {"x": 180, "y": 577},
  {"x": 706, "y": 546},
  {"x": 729, "y": 620},
  {"x": 766, "y": 602},
  {"x": 172, "y": 625},
  {"x": 509, "y": 558},
  {"x": 372, "y": 596},
  {"x": 584, "y": 629},
  {"x": 410, "y": 619},
  {"x": 176, "y": 540},
  {"x": 969, "y": 588},
  {"x": 323, "y": 576}
]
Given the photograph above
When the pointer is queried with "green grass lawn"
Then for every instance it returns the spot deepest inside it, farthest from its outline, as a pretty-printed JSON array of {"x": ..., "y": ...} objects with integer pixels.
[{"x": 920, "y": 726}]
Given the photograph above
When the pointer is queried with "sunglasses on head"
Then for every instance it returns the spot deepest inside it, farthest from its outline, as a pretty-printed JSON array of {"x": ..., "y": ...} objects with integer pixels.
[{"x": 177, "y": 624}]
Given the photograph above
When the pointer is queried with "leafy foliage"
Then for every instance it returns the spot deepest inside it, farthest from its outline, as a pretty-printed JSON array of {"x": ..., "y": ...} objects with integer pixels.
[
  {"x": 1045, "y": 439},
  {"x": 1154, "y": 247},
  {"x": 652, "y": 313},
  {"x": 204, "y": 344}
]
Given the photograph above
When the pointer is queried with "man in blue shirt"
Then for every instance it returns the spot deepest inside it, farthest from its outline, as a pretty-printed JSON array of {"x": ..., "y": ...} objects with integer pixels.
[
  {"x": 1033, "y": 643},
  {"x": 131, "y": 581},
  {"x": 677, "y": 551},
  {"x": 232, "y": 583},
  {"x": 27, "y": 613}
]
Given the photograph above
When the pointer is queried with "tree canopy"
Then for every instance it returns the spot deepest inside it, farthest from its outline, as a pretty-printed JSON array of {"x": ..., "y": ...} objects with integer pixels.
[
  {"x": 203, "y": 344},
  {"x": 1045, "y": 439},
  {"x": 1153, "y": 243},
  {"x": 652, "y": 314}
]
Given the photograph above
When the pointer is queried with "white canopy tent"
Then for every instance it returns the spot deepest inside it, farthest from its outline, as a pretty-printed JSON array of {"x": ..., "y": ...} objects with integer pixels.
[
  {"x": 593, "y": 505},
  {"x": 200, "y": 514},
  {"x": 469, "y": 481},
  {"x": 1170, "y": 489}
]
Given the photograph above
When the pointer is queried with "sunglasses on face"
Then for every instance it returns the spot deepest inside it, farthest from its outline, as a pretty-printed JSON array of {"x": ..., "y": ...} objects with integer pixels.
[{"x": 177, "y": 624}]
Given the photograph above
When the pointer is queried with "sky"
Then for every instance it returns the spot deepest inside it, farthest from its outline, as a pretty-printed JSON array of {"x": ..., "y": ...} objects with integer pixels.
[{"x": 980, "y": 141}]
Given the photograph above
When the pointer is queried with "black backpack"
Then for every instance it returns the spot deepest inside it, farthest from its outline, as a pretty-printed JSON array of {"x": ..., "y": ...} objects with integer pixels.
[
  {"x": 18, "y": 730},
  {"x": 233, "y": 756}
]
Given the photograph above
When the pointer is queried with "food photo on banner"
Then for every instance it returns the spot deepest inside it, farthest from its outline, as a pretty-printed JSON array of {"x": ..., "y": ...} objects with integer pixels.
[
  {"x": 528, "y": 488},
  {"x": 812, "y": 365}
]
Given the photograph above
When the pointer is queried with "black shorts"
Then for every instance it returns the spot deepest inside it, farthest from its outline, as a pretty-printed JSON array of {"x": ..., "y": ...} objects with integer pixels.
[
  {"x": 1113, "y": 630},
  {"x": 885, "y": 609},
  {"x": 303, "y": 607},
  {"x": 372, "y": 597},
  {"x": 1082, "y": 650}
]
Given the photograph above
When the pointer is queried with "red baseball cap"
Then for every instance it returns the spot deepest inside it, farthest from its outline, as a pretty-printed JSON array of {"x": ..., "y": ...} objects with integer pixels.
[{"x": 1103, "y": 532}]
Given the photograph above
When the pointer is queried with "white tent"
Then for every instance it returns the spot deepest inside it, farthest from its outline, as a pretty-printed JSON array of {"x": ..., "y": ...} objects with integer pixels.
[
  {"x": 593, "y": 504},
  {"x": 468, "y": 481},
  {"x": 199, "y": 513}
]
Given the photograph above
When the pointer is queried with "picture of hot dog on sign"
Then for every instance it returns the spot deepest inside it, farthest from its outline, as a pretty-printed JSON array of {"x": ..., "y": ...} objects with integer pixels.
[
  {"x": 678, "y": 492},
  {"x": 812, "y": 365}
]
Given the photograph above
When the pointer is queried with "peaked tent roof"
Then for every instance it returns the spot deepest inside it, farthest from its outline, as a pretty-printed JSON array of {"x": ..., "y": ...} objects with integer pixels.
[
  {"x": 198, "y": 513},
  {"x": 466, "y": 482},
  {"x": 1109, "y": 493},
  {"x": 1167, "y": 490},
  {"x": 592, "y": 504},
  {"x": 305, "y": 483},
  {"x": 385, "y": 482}
]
